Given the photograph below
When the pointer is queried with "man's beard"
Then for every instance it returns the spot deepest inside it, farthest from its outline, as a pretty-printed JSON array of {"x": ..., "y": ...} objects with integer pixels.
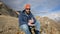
[{"x": 28, "y": 12}]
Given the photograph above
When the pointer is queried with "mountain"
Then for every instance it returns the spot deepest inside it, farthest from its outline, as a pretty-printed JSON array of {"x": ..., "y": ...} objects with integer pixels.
[
  {"x": 54, "y": 16},
  {"x": 57, "y": 19},
  {"x": 48, "y": 24},
  {"x": 4, "y": 10}
]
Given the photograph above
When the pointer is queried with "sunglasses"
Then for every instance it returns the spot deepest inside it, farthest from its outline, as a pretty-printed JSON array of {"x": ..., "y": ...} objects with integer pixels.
[{"x": 27, "y": 8}]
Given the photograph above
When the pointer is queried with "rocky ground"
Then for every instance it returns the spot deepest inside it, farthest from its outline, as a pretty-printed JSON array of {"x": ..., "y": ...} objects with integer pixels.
[{"x": 8, "y": 25}]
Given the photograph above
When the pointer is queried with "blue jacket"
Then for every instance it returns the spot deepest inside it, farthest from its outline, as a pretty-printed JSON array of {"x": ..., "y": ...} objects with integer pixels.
[{"x": 23, "y": 18}]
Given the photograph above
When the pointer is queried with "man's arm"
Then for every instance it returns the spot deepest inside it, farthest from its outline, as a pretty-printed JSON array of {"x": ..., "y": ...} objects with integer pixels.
[{"x": 17, "y": 13}]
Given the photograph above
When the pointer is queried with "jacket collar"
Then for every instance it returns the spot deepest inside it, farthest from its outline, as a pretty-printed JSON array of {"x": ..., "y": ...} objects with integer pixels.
[{"x": 23, "y": 13}]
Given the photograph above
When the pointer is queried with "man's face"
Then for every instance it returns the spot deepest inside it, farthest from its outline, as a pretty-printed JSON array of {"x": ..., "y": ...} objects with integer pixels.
[{"x": 27, "y": 11}]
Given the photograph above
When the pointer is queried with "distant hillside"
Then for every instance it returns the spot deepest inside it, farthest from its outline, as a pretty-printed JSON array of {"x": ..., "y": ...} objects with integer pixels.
[
  {"x": 49, "y": 26},
  {"x": 4, "y": 10}
]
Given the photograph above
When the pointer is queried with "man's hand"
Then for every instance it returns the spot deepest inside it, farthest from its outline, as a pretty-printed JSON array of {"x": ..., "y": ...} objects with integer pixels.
[
  {"x": 17, "y": 13},
  {"x": 30, "y": 23}
]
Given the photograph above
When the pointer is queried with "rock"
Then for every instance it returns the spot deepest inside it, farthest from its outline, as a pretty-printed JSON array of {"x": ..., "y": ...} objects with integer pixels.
[{"x": 9, "y": 25}]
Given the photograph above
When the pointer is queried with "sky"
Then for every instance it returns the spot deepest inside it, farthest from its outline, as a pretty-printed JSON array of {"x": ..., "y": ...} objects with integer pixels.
[{"x": 38, "y": 7}]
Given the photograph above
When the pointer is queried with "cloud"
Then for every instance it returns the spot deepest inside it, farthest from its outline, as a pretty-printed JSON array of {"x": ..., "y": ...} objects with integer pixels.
[
  {"x": 54, "y": 16},
  {"x": 35, "y": 3},
  {"x": 42, "y": 6},
  {"x": 15, "y": 4}
]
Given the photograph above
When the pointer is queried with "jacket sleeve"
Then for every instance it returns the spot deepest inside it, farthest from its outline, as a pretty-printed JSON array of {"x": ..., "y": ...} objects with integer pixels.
[
  {"x": 21, "y": 20},
  {"x": 34, "y": 19}
]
